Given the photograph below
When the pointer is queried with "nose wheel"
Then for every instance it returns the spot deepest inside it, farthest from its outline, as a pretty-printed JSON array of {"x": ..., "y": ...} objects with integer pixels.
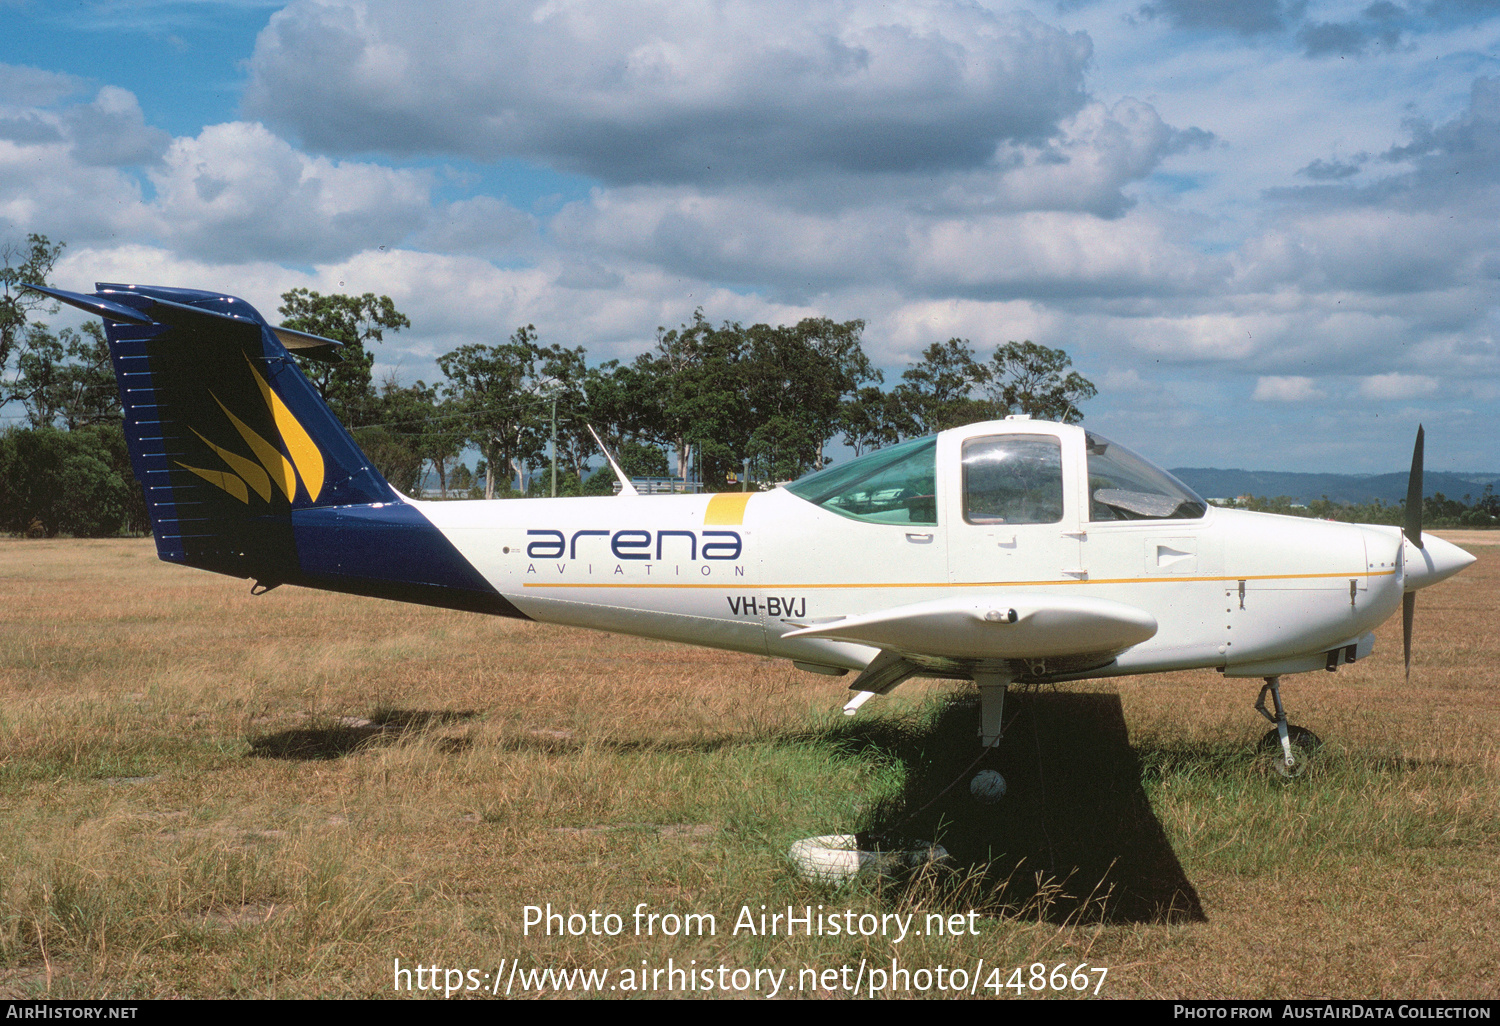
[
  {"x": 1303, "y": 743},
  {"x": 1290, "y": 748}
]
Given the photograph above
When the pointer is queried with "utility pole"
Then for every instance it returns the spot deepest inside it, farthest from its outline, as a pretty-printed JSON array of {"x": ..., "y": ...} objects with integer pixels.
[{"x": 554, "y": 445}]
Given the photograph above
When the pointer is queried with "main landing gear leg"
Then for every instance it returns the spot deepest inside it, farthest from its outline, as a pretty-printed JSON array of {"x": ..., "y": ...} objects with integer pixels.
[
  {"x": 988, "y": 786},
  {"x": 1292, "y": 745},
  {"x": 991, "y": 706}
]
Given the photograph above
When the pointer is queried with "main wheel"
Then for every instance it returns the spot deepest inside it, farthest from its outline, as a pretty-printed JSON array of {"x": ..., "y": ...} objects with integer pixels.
[{"x": 1304, "y": 745}]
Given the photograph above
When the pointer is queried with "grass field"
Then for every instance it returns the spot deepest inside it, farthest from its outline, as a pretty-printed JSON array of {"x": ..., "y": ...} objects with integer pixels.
[{"x": 208, "y": 794}]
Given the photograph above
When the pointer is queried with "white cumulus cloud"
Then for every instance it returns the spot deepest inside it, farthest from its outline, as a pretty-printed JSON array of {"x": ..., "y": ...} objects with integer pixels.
[
  {"x": 237, "y": 190},
  {"x": 1397, "y": 386},
  {"x": 669, "y": 90},
  {"x": 1287, "y": 390}
]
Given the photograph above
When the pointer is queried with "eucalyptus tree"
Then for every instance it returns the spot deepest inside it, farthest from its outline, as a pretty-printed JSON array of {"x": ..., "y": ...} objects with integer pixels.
[
  {"x": 943, "y": 389},
  {"x": 65, "y": 379},
  {"x": 346, "y": 383},
  {"x": 798, "y": 379},
  {"x": 22, "y": 264},
  {"x": 624, "y": 406},
  {"x": 1028, "y": 378},
  {"x": 873, "y": 418},
  {"x": 562, "y": 385},
  {"x": 769, "y": 394},
  {"x": 495, "y": 388}
]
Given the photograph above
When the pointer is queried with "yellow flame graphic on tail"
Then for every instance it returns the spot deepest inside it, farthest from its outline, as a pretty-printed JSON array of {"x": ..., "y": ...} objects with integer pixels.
[
  {"x": 306, "y": 460},
  {"x": 248, "y": 470},
  {"x": 277, "y": 465},
  {"x": 305, "y": 454},
  {"x": 229, "y": 482}
]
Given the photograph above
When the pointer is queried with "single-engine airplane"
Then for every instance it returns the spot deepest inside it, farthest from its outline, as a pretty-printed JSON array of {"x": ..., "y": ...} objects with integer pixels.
[{"x": 1006, "y": 552}]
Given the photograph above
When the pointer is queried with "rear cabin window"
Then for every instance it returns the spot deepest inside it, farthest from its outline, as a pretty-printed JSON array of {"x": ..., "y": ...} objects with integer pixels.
[{"x": 1013, "y": 479}]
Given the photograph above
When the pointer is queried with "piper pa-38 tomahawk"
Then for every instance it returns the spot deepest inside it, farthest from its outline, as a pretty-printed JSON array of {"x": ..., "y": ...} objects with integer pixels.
[{"x": 1013, "y": 551}]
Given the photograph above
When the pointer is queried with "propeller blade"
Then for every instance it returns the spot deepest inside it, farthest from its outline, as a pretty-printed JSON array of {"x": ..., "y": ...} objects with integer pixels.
[
  {"x": 1413, "y": 528},
  {"x": 1408, "y": 611}
]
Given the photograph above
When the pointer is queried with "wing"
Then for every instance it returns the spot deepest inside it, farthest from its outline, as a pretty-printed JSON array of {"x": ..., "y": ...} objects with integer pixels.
[{"x": 1024, "y": 630}]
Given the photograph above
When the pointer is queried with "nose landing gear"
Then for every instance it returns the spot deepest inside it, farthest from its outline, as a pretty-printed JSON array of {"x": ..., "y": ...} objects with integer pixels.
[{"x": 1290, "y": 747}]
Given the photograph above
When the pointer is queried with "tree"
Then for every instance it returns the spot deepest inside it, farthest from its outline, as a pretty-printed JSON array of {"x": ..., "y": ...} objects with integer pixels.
[
  {"x": 939, "y": 392},
  {"x": 562, "y": 384},
  {"x": 622, "y": 405},
  {"x": 28, "y": 264},
  {"x": 873, "y": 418},
  {"x": 461, "y": 480},
  {"x": 346, "y": 384},
  {"x": 398, "y": 443},
  {"x": 66, "y": 377},
  {"x": 495, "y": 388},
  {"x": 442, "y": 441},
  {"x": 66, "y": 482},
  {"x": 691, "y": 392},
  {"x": 799, "y": 378},
  {"x": 1027, "y": 378},
  {"x": 769, "y": 394}
]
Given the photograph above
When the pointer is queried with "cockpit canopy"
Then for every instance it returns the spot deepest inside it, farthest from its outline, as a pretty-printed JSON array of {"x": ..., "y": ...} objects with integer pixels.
[
  {"x": 1007, "y": 477},
  {"x": 1124, "y": 486}
]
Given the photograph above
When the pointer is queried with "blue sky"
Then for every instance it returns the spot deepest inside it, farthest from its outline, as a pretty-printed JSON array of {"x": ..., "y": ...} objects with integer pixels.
[{"x": 1268, "y": 230}]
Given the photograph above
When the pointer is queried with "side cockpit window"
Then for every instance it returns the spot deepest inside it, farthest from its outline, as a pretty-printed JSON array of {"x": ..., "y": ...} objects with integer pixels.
[
  {"x": 1123, "y": 486},
  {"x": 1013, "y": 479},
  {"x": 895, "y": 485}
]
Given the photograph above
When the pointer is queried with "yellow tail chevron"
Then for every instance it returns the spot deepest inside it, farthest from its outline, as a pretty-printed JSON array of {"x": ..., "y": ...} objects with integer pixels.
[
  {"x": 279, "y": 466},
  {"x": 246, "y": 474},
  {"x": 229, "y": 482},
  {"x": 299, "y": 443}
]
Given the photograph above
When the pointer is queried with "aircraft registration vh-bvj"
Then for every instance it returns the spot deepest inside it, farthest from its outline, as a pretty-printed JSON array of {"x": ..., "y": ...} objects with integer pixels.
[{"x": 1012, "y": 551}]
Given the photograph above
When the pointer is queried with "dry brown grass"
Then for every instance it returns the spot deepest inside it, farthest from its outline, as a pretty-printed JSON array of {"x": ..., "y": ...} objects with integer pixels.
[{"x": 211, "y": 794}]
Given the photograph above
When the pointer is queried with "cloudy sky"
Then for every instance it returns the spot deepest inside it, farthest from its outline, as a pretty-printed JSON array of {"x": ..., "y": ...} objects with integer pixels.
[{"x": 1268, "y": 230}]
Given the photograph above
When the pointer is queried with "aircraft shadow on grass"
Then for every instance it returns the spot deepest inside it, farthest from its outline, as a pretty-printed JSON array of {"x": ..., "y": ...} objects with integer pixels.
[
  {"x": 348, "y": 734},
  {"x": 1074, "y": 839},
  {"x": 1075, "y": 812}
]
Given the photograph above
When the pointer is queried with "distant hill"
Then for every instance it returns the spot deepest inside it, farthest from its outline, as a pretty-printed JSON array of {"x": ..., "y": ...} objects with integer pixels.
[{"x": 1342, "y": 488}]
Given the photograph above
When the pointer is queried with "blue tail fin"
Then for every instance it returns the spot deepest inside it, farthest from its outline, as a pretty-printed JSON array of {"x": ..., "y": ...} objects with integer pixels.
[{"x": 245, "y": 469}]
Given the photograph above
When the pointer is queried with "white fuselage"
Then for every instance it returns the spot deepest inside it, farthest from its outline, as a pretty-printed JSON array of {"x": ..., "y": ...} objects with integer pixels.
[{"x": 1253, "y": 594}]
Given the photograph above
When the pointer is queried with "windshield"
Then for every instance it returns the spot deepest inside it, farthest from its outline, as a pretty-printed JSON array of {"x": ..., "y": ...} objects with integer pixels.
[
  {"x": 895, "y": 485},
  {"x": 1123, "y": 486}
]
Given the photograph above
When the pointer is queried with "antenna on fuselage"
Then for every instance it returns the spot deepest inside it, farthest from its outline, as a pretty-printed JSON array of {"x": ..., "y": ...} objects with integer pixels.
[{"x": 626, "y": 488}]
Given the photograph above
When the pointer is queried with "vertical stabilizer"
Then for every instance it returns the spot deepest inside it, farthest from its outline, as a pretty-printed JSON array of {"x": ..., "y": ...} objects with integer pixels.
[
  {"x": 245, "y": 469},
  {"x": 226, "y": 434}
]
